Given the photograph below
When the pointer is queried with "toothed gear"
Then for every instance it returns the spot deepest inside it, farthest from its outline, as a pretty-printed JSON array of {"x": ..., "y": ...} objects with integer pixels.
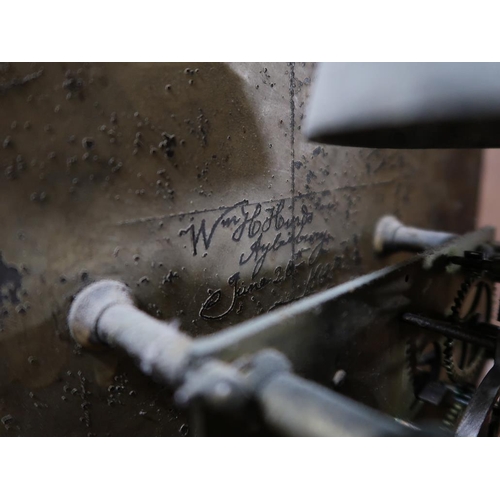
[{"x": 466, "y": 373}]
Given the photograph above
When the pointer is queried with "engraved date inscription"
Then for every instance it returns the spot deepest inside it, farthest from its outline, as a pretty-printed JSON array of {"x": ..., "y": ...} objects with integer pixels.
[{"x": 260, "y": 230}]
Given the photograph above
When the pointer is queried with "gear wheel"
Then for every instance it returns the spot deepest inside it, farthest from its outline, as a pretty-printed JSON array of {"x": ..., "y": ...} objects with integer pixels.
[{"x": 470, "y": 357}]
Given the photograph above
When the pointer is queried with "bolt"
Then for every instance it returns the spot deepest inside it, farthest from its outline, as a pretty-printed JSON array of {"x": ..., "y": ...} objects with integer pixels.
[{"x": 391, "y": 235}]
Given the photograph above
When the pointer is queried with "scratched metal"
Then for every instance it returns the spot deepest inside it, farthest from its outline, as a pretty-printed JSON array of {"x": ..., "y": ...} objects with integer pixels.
[{"x": 193, "y": 184}]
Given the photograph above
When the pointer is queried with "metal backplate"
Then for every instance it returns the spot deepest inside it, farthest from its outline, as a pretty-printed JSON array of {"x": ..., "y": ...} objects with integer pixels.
[{"x": 233, "y": 217}]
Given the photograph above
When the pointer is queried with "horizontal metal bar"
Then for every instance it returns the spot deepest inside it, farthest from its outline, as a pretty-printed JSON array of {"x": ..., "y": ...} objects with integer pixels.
[
  {"x": 296, "y": 407},
  {"x": 454, "y": 331}
]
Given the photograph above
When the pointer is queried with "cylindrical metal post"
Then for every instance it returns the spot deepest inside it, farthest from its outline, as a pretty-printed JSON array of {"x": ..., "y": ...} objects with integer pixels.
[
  {"x": 105, "y": 313},
  {"x": 391, "y": 235}
]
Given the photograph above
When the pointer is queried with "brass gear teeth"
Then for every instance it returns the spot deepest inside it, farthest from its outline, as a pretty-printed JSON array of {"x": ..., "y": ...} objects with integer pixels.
[
  {"x": 455, "y": 374},
  {"x": 460, "y": 297}
]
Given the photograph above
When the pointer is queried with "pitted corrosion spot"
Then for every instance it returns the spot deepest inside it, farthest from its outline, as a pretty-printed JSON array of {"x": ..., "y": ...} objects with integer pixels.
[
  {"x": 19, "y": 82},
  {"x": 10, "y": 283}
]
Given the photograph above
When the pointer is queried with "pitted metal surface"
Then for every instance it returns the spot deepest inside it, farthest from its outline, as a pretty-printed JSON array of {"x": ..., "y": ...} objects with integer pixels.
[{"x": 193, "y": 184}]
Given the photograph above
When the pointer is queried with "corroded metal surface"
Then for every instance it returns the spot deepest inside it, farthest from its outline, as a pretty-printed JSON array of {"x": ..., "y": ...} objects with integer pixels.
[{"x": 192, "y": 184}]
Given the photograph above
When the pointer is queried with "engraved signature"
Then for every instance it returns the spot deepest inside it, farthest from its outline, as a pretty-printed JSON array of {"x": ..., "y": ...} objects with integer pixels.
[{"x": 253, "y": 222}]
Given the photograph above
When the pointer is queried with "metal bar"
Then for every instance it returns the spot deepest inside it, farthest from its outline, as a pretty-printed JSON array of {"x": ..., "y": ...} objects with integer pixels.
[
  {"x": 456, "y": 331},
  {"x": 296, "y": 407}
]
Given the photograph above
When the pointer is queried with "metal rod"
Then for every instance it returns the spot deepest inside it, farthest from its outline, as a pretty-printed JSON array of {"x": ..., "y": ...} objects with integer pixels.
[
  {"x": 457, "y": 332},
  {"x": 296, "y": 407}
]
